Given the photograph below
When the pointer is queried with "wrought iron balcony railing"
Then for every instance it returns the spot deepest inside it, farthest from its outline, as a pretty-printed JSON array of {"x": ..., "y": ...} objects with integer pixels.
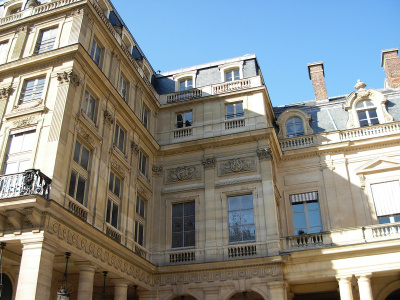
[{"x": 30, "y": 182}]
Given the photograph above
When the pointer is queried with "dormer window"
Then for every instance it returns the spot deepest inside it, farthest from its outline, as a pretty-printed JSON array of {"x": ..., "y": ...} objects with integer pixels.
[
  {"x": 366, "y": 112},
  {"x": 294, "y": 127},
  {"x": 231, "y": 71},
  {"x": 185, "y": 84},
  {"x": 232, "y": 75}
]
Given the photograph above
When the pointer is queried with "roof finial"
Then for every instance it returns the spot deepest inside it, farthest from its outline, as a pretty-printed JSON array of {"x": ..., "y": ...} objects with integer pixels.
[{"x": 360, "y": 85}]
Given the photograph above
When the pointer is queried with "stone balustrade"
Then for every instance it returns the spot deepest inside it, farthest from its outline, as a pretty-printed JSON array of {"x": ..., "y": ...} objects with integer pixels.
[
  {"x": 234, "y": 123},
  {"x": 142, "y": 252},
  {"x": 297, "y": 142},
  {"x": 242, "y": 251},
  {"x": 232, "y": 86},
  {"x": 370, "y": 131},
  {"x": 78, "y": 210},
  {"x": 182, "y": 256},
  {"x": 30, "y": 182},
  {"x": 113, "y": 233},
  {"x": 183, "y": 132},
  {"x": 185, "y": 95}
]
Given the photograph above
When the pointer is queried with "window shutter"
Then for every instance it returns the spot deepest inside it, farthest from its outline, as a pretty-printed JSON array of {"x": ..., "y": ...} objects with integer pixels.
[
  {"x": 305, "y": 197},
  {"x": 386, "y": 197}
]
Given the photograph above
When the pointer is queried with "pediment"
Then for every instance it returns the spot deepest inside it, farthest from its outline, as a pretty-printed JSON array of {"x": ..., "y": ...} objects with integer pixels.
[{"x": 378, "y": 165}]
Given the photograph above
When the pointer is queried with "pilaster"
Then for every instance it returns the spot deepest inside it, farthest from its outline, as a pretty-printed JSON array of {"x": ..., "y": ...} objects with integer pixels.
[{"x": 277, "y": 290}]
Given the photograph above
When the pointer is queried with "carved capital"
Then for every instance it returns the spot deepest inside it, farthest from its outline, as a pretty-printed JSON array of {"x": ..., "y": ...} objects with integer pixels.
[
  {"x": 209, "y": 162},
  {"x": 264, "y": 154},
  {"x": 5, "y": 92},
  {"x": 108, "y": 118},
  {"x": 70, "y": 76},
  {"x": 157, "y": 170}
]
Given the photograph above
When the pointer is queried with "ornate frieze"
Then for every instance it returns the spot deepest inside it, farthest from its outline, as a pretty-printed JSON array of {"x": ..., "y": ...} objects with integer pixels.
[
  {"x": 237, "y": 165},
  {"x": 117, "y": 166},
  {"x": 208, "y": 162},
  {"x": 5, "y": 92},
  {"x": 264, "y": 154},
  {"x": 108, "y": 118},
  {"x": 157, "y": 170},
  {"x": 70, "y": 76},
  {"x": 86, "y": 135},
  {"x": 23, "y": 122},
  {"x": 183, "y": 173}
]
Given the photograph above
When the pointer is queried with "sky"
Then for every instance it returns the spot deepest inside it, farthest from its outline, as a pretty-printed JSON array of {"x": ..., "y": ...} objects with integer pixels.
[{"x": 347, "y": 35}]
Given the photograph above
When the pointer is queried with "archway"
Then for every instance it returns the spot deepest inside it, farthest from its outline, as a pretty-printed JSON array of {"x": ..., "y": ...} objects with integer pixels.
[
  {"x": 394, "y": 295},
  {"x": 250, "y": 295},
  {"x": 7, "y": 291},
  {"x": 184, "y": 297}
]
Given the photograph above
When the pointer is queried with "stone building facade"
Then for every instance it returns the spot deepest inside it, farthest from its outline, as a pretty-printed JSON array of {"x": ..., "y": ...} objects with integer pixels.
[{"x": 186, "y": 184}]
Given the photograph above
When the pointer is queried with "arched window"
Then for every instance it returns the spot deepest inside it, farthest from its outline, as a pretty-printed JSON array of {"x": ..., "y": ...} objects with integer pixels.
[
  {"x": 294, "y": 127},
  {"x": 366, "y": 112}
]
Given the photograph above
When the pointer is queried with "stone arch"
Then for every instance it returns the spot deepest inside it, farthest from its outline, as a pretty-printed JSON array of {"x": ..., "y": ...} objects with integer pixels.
[
  {"x": 249, "y": 295},
  {"x": 8, "y": 290},
  {"x": 293, "y": 113},
  {"x": 388, "y": 289}
]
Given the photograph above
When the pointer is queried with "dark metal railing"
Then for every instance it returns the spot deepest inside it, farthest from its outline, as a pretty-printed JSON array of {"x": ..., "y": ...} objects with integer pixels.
[{"x": 30, "y": 182}]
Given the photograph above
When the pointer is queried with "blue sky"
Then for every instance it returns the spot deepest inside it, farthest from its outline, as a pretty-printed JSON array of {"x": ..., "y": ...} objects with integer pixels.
[{"x": 347, "y": 36}]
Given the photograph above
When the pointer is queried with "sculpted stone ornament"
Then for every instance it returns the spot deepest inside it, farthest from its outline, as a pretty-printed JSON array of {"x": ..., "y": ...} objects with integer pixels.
[
  {"x": 135, "y": 147},
  {"x": 183, "y": 173},
  {"x": 157, "y": 170},
  {"x": 237, "y": 165},
  {"x": 25, "y": 121},
  {"x": 209, "y": 162},
  {"x": 116, "y": 166},
  {"x": 5, "y": 92},
  {"x": 85, "y": 135},
  {"x": 264, "y": 154},
  {"x": 108, "y": 118},
  {"x": 70, "y": 76}
]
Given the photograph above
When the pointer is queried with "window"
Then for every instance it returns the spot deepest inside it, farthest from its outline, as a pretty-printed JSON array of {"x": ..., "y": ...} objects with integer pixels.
[
  {"x": 140, "y": 221},
  {"x": 32, "y": 90},
  {"x": 119, "y": 138},
  {"x": 294, "y": 127},
  {"x": 185, "y": 84},
  {"x": 46, "y": 41},
  {"x": 386, "y": 200},
  {"x": 79, "y": 174},
  {"x": 366, "y": 112},
  {"x": 306, "y": 213},
  {"x": 3, "y": 52},
  {"x": 241, "y": 218},
  {"x": 234, "y": 110},
  {"x": 184, "y": 119},
  {"x": 95, "y": 52},
  {"x": 19, "y": 152},
  {"x": 89, "y": 106},
  {"x": 114, "y": 185},
  {"x": 145, "y": 117},
  {"x": 15, "y": 10},
  {"x": 112, "y": 213},
  {"x": 123, "y": 87},
  {"x": 183, "y": 225},
  {"x": 232, "y": 75},
  {"x": 143, "y": 163}
]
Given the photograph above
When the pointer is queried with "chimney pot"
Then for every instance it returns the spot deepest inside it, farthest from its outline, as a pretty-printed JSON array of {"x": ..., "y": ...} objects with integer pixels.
[{"x": 316, "y": 73}]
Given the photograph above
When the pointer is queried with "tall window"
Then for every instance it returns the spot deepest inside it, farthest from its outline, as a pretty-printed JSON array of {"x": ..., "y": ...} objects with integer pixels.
[
  {"x": 386, "y": 200},
  {"x": 32, "y": 90},
  {"x": 184, "y": 119},
  {"x": 232, "y": 75},
  {"x": 294, "y": 127},
  {"x": 241, "y": 218},
  {"x": 185, "y": 84},
  {"x": 306, "y": 213},
  {"x": 46, "y": 41},
  {"x": 366, "y": 112},
  {"x": 123, "y": 87},
  {"x": 19, "y": 152},
  {"x": 234, "y": 110},
  {"x": 145, "y": 116},
  {"x": 143, "y": 163},
  {"x": 89, "y": 106},
  {"x": 3, "y": 52},
  {"x": 183, "y": 225},
  {"x": 79, "y": 173},
  {"x": 140, "y": 221},
  {"x": 112, "y": 213},
  {"x": 114, "y": 185},
  {"x": 95, "y": 52},
  {"x": 119, "y": 138}
]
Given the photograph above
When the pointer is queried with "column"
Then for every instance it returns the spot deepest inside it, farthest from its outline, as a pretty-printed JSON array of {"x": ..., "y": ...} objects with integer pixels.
[
  {"x": 364, "y": 287},
  {"x": 36, "y": 269},
  {"x": 120, "y": 289},
  {"x": 345, "y": 288},
  {"x": 277, "y": 290},
  {"x": 86, "y": 278}
]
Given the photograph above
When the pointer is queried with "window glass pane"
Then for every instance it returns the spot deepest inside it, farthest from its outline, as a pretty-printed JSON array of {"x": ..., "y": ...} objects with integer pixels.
[
  {"x": 116, "y": 135},
  {"x": 114, "y": 221},
  {"x": 249, "y": 233},
  {"x": 177, "y": 240},
  {"x": 299, "y": 220},
  {"x": 91, "y": 108},
  {"x": 384, "y": 220},
  {"x": 141, "y": 208},
  {"x": 247, "y": 217},
  {"x": 228, "y": 76},
  {"x": 84, "y": 158},
  {"x": 108, "y": 216},
  {"x": 234, "y": 218},
  {"x": 230, "y": 111},
  {"x": 23, "y": 165},
  {"x": 372, "y": 113},
  {"x": 298, "y": 207},
  {"x": 177, "y": 224},
  {"x": 236, "y": 74},
  {"x": 362, "y": 115},
  {"x": 140, "y": 240},
  {"x": 179, "y": 120},
  {"x": 189, "y": 239},
  {"x": 85, "y": 102},
  {"x": 300, "y": 231},
  {"x": 189, "y": 223},
  {"x": 77, "y": 151},
  {"x": 315, "y": 229},
  {"x": 396, "y": 218},
  {"x": 80, "y": 191},
  {"x": 239, "y": 109},
  {"x": 235, "y": 235},
  {"x": 234, "y": 203},
  {"x": 314, "y": 218},
  {"x": 189, "y": 208},
  {"x": 182, "y": 86},
  {"x": 247, "y": 201},
  {"x": 312, "y": 206},
  {"x": 121, "y": 140},
  {"x": 117, "y": 186},
  {"x": 72, "y": 182},
  {"x": 188, "y": 117},
  {"x": 111, "y": 182},
  {"x": 177, "y": 210},
  {"x": 28, "y": 141}
]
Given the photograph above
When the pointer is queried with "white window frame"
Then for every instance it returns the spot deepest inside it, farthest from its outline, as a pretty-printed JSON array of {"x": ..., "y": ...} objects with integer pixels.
[
  {"x": 123, "y": 87},
  {"x": 241, "y": 224},
  {"x": 34, "y": 95},
  {"x": 112, "y": 180},
  {"x": 231, "y": 66},
  {"x": 305, "y": 198},
  {"x": 51, "y": 42},
  {"x": 145, "y": 116},
  {"x": 117, "y": 137},
  {"x": 96, "y": 48},
  {"x": 144, "y": 169},
  {"x": 184, "y": 119},
  {"x": 183, "y": 232},
  {"x": 89, "y": 100},
  {"x": 4, "y": 50},
  {"x": 367, "y": 109},
  {"x": 295, "y": 120},
  {"x": 178, "y": 78},
  {"x": 140, "y": 220},
  {"x": 109, "y": 212},
  {"x": 236, "y": 114}
]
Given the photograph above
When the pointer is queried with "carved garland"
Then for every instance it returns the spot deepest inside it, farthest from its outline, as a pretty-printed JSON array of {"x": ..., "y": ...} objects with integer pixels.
[
  {"x": 70, "y": 76},
  {"x": 5, "y": 92},
  {"x": 237, "y": 165}
]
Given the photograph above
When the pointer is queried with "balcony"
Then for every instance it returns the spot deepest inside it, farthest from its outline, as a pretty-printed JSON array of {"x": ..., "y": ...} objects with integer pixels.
[
  {"x": 330, "y": 138},
  {"x": 30, "y": 182},
  {"x": 341, "y": 237},
  {"x": 183, "y": 132},
  {"x": 210, "y": 90}
]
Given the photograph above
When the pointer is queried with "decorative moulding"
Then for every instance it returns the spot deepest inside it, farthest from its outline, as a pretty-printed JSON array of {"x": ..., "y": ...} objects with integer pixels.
[
  {"x": 291, "y": 113},
  {"x": 236, "y": 165},
  {"x": 157, "y": 170},
  {"x": 209, "y": 162},
  {"x": 183, "y": 173},
  {"x": 253, "y": 178}
]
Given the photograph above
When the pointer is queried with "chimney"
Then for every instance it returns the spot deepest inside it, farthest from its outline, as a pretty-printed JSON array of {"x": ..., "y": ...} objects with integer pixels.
[
  {"x": 391, "y": 65},
  {"x": 316, "y": 72}
]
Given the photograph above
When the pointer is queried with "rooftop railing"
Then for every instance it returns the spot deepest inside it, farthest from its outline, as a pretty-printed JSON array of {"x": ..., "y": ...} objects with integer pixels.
[{"x": 30, "y": 182}]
